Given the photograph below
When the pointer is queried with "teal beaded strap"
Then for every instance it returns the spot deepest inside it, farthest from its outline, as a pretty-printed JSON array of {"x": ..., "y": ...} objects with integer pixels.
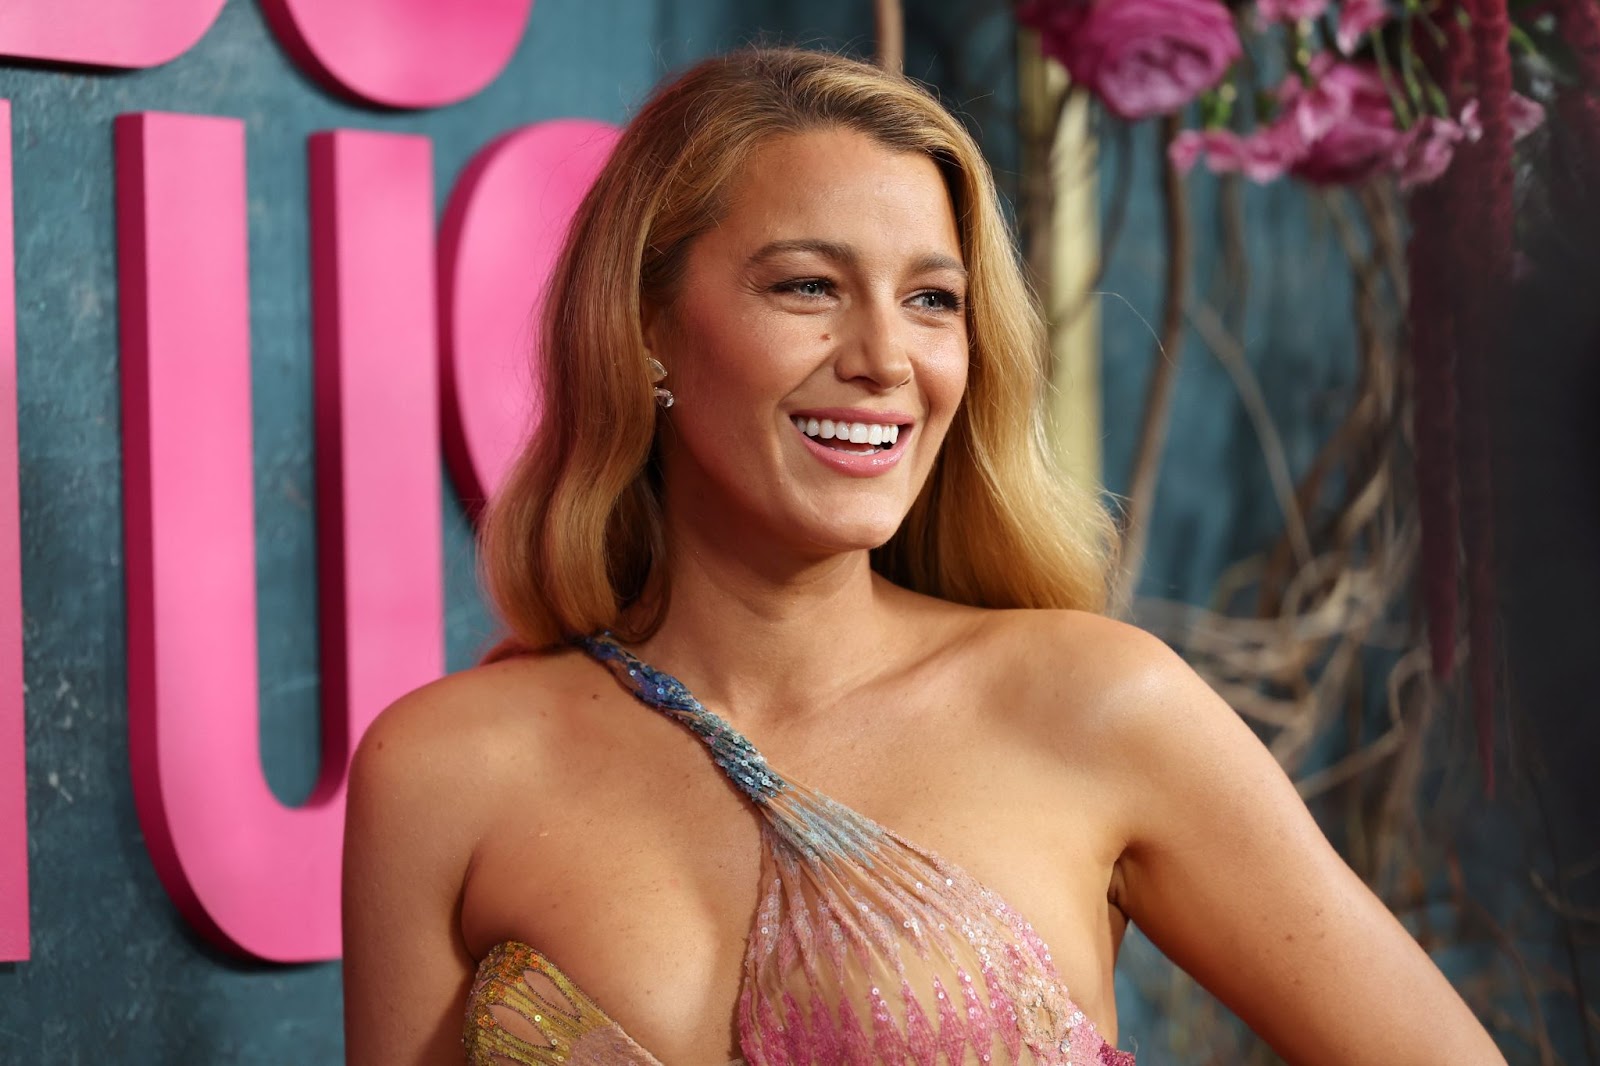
[{"x": 737, "y": 757}]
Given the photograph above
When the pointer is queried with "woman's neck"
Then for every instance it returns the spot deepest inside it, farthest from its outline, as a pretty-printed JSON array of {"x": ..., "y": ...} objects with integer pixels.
[{"x": 757, "y": 637}]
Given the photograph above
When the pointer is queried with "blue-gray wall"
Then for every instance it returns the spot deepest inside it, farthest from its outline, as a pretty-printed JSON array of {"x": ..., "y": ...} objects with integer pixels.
[{"x": 115, "y": 975}]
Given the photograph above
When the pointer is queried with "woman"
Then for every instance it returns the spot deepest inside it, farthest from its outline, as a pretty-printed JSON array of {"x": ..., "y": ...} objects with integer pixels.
[{"x": 791, "y": 453}]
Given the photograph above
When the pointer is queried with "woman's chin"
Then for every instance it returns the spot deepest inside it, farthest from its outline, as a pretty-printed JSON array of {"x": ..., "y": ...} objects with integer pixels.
[{"x": 841, "y": 538}]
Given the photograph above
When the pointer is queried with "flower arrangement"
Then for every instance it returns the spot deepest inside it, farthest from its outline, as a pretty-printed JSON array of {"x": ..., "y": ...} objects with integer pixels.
[
  {"x": 1362, "y": 87},
  {"x": 1435, "y": 95}
]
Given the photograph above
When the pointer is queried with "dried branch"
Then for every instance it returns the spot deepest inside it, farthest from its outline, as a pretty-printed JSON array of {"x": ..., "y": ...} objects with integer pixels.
[
  {"x": 891, "y": 26},
  {"x": 1158, "y": 397}
]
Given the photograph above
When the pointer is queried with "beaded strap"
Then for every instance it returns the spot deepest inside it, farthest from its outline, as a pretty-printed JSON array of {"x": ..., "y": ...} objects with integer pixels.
[{"x": 730, "y": 749}]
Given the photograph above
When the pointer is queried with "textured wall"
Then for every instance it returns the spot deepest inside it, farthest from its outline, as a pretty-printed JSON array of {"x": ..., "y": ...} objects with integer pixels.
[
  {"x": 115, "y": 975},
  {"x": 1214, "y": 502}
]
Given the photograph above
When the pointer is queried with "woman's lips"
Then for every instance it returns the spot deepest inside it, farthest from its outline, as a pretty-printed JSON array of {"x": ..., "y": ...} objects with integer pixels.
[{"x": 857, "y": 459}]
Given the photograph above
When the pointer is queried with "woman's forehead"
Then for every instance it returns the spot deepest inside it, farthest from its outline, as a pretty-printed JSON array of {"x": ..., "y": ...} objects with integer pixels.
[{"x": 838, "y": 187}]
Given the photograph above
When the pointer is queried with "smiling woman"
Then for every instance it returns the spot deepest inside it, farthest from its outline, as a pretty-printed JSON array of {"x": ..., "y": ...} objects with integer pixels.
[
  {"x": 725, "y": 209},
  {"x": 791, "y": 446}
]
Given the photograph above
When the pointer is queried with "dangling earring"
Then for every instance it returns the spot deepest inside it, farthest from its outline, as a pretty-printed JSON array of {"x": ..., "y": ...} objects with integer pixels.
[{"x": 658, "y": 372}]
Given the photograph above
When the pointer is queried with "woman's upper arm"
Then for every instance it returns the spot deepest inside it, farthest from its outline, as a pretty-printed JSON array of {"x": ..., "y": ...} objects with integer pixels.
[
  {"x": 1228, "y": 874},
  {"x": 407, "y": 844}
]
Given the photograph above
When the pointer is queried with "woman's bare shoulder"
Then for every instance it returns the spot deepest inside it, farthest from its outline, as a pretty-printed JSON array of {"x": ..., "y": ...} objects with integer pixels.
[
  {"x": 470, "y": 728},
  {"x": 1077, "y": 654},
  {"x": 1083, "y": 683}
]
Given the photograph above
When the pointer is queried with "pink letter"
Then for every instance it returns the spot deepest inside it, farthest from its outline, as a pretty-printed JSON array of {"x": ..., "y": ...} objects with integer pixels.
[
  {"x": 256, "y": 876},
  {"x": 379, "y": 498},
  {"x": 104, "y": 33},
  {"x": 402, "y": 53},
  {"x": 13, "y": 761},
  {"x": 502, "y": 232}
]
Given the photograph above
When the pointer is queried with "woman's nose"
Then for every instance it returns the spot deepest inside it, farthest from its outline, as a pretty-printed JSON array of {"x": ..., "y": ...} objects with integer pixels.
[{"x": 876, "y": 349}]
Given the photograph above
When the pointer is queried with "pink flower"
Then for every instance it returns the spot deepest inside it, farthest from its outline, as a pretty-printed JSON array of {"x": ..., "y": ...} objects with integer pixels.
[
  {"x": 1526, "y": 115},
  {"x": 1359, "y": 138},
  {"x": 1357, "y": 19},
  {"x": 1316, "y": 109},
  {"x": 1188, "y": 146},
  {"x": 1261, "y": 156},
  {"x": 1290, "y": 10},
  {"x": 1340, "y": 130},
  {"x": 1426, "y": 150},
  {"x": 1140, "y": 57}
]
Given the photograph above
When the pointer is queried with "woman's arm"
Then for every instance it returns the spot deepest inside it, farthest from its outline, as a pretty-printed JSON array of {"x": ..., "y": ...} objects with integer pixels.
[
  {"x": 1228, "y": 874},
  {"x": 407, "y": 844}
]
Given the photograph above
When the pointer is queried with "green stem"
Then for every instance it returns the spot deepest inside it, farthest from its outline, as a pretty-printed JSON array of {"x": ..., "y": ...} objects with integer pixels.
[
  {"x": 1397, "y": 100},
  {"x": 1408, "y": 67}
]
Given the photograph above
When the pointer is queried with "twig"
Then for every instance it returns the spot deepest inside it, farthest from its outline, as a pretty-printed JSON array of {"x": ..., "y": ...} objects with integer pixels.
[
  {"x": 1158, "y": 397},
  {"x": 1230, "y": 353},
  {"x": 891, "y": 24}
]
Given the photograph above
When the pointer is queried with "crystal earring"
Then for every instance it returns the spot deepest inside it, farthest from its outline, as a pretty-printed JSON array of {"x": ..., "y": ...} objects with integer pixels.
[{"x": 658, "y": 372}]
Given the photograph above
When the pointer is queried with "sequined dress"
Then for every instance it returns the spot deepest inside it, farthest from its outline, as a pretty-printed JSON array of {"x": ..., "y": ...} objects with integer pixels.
[{"x": 865, "y": 949}]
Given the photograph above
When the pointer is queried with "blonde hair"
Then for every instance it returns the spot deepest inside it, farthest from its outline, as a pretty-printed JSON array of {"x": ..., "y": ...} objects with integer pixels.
[{"x": 570, "y": 540}]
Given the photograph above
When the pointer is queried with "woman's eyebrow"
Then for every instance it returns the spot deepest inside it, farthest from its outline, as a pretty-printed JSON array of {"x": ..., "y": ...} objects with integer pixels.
[
  {"x": 938, "y": 261},
  {"x": 845, "y": 255},
  {"x": 839, "y": 253}
]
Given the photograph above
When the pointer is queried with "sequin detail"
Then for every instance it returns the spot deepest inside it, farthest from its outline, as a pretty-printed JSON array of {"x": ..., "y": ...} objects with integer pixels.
[
  {"x": 866, "y": 949},
  {"x": 551, "y": 1021}
]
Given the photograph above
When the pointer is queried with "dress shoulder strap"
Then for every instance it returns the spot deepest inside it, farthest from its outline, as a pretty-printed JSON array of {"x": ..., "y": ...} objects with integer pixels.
[
  {"x": 730, "y": 749},
  {"x": 808, "y": 821}
]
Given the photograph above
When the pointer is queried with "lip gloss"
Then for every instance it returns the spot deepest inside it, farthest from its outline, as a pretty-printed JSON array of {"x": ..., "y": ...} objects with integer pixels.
[{"x": 868, "y": 464}]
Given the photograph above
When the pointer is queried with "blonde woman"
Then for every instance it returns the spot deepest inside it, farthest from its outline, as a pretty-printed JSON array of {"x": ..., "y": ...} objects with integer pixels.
[{"x": 809, "y": 743}]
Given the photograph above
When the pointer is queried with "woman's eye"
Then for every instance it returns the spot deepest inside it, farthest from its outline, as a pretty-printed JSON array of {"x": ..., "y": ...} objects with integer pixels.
[
  {"x": 812, "y": 288},
  {"x": 938, "y": 300}
]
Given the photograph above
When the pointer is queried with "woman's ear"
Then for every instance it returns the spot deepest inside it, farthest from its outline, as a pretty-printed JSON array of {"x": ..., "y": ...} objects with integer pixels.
[{"x": 649, "y": 327}]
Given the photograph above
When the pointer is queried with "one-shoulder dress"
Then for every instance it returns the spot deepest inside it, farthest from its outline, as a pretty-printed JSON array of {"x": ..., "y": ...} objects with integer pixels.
[{"x": 865, "y": 949}]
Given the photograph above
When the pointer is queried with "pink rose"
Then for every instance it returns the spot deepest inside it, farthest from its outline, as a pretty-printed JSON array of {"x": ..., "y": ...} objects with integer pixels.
[
  {"x": 1357, "y": 18},
  {"x": 1140, "y": 57},
  {"x": 1359, "y": 137}
]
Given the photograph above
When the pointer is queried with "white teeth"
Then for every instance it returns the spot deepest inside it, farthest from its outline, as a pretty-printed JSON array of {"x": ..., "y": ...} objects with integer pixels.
[{"x": 868, "y": 433}]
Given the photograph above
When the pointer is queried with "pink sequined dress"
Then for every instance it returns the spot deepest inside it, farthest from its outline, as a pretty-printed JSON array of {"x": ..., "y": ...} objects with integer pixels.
[{"x": 865, "y": 949}]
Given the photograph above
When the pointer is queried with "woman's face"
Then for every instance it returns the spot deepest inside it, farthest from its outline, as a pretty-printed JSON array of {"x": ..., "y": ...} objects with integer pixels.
[{"x": 816, "y": 347}]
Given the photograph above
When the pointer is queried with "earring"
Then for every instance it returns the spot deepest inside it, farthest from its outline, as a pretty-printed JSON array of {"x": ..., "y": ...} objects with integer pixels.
[{"x": 664, "y": 397}]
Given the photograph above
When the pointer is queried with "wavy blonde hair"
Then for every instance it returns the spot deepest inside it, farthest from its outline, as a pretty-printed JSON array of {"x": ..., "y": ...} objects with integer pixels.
[{"x": 571, "y": 539}]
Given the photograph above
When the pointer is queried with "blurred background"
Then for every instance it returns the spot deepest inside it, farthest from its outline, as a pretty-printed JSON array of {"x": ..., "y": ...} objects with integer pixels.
[{"x": 1237, "y": 358}]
